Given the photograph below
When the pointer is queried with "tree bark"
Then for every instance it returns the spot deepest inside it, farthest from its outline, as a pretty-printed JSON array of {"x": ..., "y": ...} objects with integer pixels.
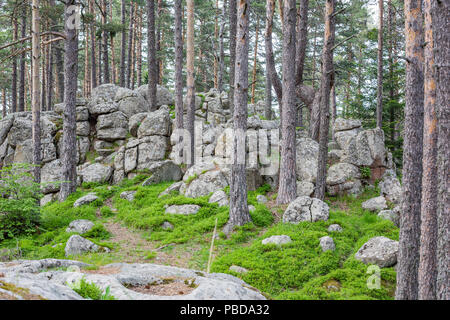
[
  {"x": 441, "y": 36},
  {"x": 287, "y": 190},
  {"x": 123, "y": 44},
  {"x": 69, "y": 145},
  {"x": 190, "y": 114},
  {"x": 255, "y": 62},
  {"x": 152, "y": 68},
  {"x": 392, "y": 83},
  {"x": 221, "y": 48},
  {"x": 179, "y": 74},
  {"x": 21, "y": 105},
  {"x": 93, "y": 57},
  {"x": 233, "y": 26},
  {"x": 239, "y": 214},
  {"x": 325, "y": 86},
  {"x": 380, "y": 66},
  {"x": 428, "y": 239},
  {"x": 106, "y": 73},
  {"x": 14, "y": 72},
  {"x": 408, "y": 255},
  {"x": 270, "y": 64},
  {"x": 302, "y": 40},
  {"x": 130, "y": 45},
  {"x": 35, "y": 104}
]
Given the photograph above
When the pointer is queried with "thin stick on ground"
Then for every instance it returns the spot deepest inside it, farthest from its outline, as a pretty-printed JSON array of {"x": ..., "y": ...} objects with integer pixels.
[{"x": 211, "y": 248}]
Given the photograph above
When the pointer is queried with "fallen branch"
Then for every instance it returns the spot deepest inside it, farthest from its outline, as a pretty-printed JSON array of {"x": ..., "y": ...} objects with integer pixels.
[{"x": 59, "y": 34}]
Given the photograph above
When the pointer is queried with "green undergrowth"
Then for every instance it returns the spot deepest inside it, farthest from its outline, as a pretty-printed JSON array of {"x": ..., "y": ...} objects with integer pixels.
[{"x": 300, "y": 270}]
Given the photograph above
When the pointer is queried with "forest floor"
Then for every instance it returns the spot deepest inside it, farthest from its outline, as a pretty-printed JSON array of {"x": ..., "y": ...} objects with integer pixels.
[{"x": 298, "y": 270}]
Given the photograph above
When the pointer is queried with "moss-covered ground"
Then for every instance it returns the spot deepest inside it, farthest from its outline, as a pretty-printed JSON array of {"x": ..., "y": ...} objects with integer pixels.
[{"x": 299, "y": 270}]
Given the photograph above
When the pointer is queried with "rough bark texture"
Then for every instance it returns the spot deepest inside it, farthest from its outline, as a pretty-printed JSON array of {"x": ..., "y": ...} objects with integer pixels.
[
  {"x": 178, "y": 70},
  {"x": 93, "y": 58},
  {"x": 106, "y": 73},
  {"x": 69, "y": 145},
  {"x": 408, "y": 256},
  {"x": 255, "y": 62},
  {"x": 239, "y": 214},
  {"x": 268, "y": 96},
  {"x": 190, "y": 81},
  {"x": 302, "y": 40},
  {"x": 23, "y": 30},
  {"x": 222, "y": 48},
  {"x": 270, "y": 61},
  {"x": 14, "y": 72},
  {"x": 152, "y": 67},
  {"x": 233, "y": 26},
  {"x": 123, "y": 44},
  {"x": 380, "y": 65},
  {"x": 325, "y": 88},
  {"x": 441, "y": 25},
  {"x": 130, "y": 46},
  {"x": 428, "y": 238},
  {"x": 35, "y": 104},
  {"x": 287, "y": 190}
]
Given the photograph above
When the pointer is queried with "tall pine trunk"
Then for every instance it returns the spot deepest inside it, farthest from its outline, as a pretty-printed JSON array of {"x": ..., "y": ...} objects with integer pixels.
[
  {"x": 287, "y": 190},
  {"x": 94, "y": 78},
  {"x": 233, "y": 26},
  {"x": 35, "y": 103},
  {"x": 428, "y": 238},
  {"x": 105, "y": 55},
  {"x": 23, "y": 30},
  {"x": 222, "y": 48},
  {"x": 441, "y": 36},
  {"x": 270, "y": 61},
  {"x": 179, "y": 74},
  {"x": 255, "y": 62},
  {"x": 123, "y": 11},
  {"x": 69, "y": 144},
  {"x": 408, "y": 255},
  {"x": 380, "y": 66},
  {"x": 14, "y": 72},
  {"x": 152, "y": 67},
  {"x": 239, "y": 214},
  {"x": 190, "y": 114},
  {"x": 325, "y": 88},
  {"x": 130, "y": 45}
]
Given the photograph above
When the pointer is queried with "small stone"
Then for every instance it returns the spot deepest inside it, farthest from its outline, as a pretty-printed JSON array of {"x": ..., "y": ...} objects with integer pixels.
[
  {"x": 278, "y": 240},
  {"x": 78, "y": 245},
  {"x": 238, "y": 269},
  {"x": 80, "y": 226},
  {"x": 327, "y": 243},
  {"x": 128, "y": 195},
  {"x": 186, "y": 209},
  {"x": 167, "y": 225},
  {"x": 90, "y": 197},
  {"x": 381, "y": 251},
  {"x": 335, "y": 228},
  {"x": 261, "y": 199}
]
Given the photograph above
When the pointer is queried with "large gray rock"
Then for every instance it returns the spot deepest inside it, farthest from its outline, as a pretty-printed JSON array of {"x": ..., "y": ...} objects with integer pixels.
[
  {"x": 156, "y": 123},
  {"x": 112, "y": 126},
  {"x": 163, "y": 171},
  {"x": 390, "y": 187},
  {"x": 306, "y": 209},
  {"x": 306, "y": 161},
  {"x": 130, "y": 102},
  {"x": 305, "y": 188},
  {"x": 219, "y": 197},
  {"x": 51, "y": 176},
  {"x": 343, "y": 178},
  {"x": 152, "y": 149},
  {"x": 135, "y": 122},
  {"x": 344, "y": 138},
  {"x": 185, "y": 209},
  {"x": 96, "y": 172},
  {"x": 204, "y": 184},
  {"x": 366, "y": 149},
  {"x": 163, "y": 96},
  {"x": 90, "y": 197},
  {"x": 80, "y": 226},
  {"x": 391, "y": 215},
  {"x": 375, "y": 204},
  {"x": 172, "y": 188},
  {"x": 77, "y": 245},
  {"x": 381, "y": 251},
  {"x": 278, "y": 240}
]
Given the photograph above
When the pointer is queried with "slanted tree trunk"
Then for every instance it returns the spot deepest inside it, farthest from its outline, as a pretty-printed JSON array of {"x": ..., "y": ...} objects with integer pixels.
[
  {"x": 302, "y": 40},
  {"x": 239, "y": 214},
  {"x": 268, "y": 96},
  {"x": 287, "y": 190},
  {"x": 35, "y": 103},
  {"x": 441, "y": 37},
  {"x": 233, "y": 26},
  {"x": 23, "y": 30},
  {"x": 4, "y": 103},
  {"x": 69, "y": 144},
  {"x": 408, "y": 255},
  {"x": 270, "y": 61},
  {"x": 123, "y": 44},
  {"x": 255, "y": 62},
  {"x": 152, "y": 68},
  {"x": 428, "y": 233},
  {"x": 325, "y": 86},
  {"x": 380, "y": 66},
  {"x": 190, "y": 114}
]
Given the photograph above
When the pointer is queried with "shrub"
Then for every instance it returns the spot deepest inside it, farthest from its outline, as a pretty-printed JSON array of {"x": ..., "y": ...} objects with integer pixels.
[
  {"x": 19, "y": 201},
  {"x": 90, "y": 290}
]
